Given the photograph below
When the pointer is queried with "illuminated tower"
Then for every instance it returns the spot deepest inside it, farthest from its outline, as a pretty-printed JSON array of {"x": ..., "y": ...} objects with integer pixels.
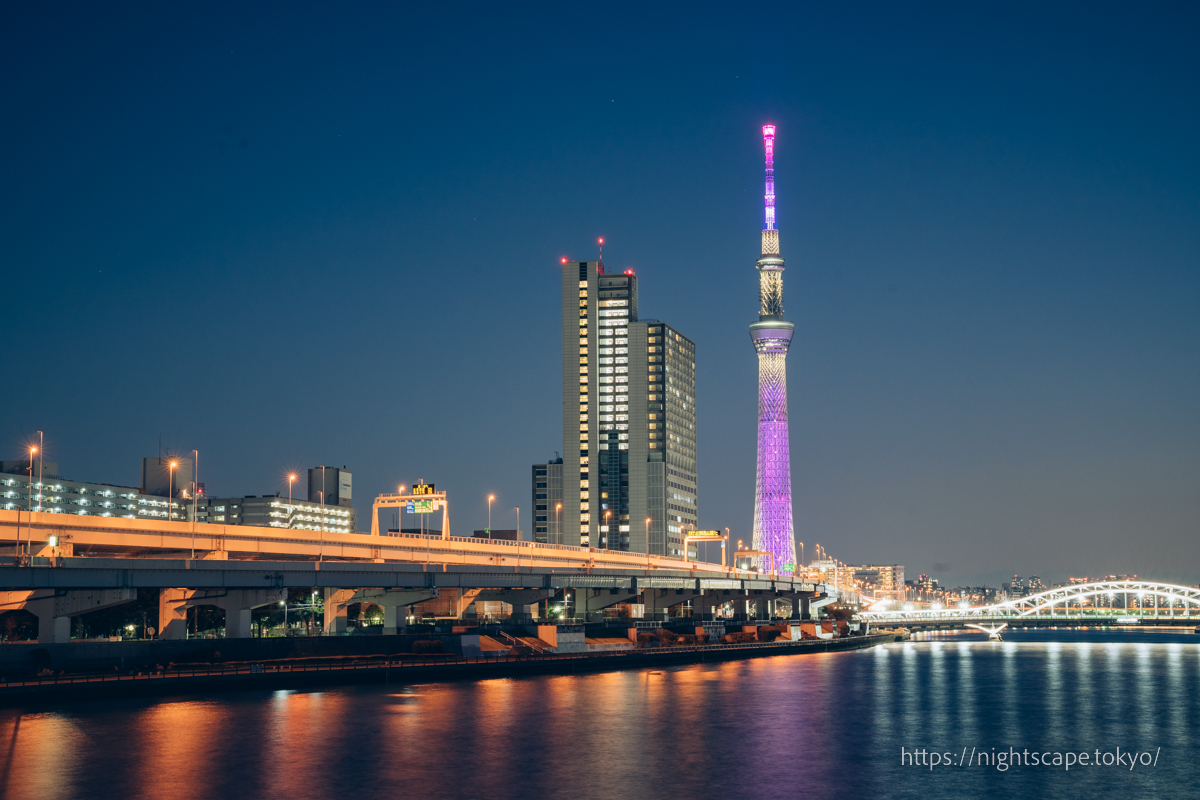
[{"x": 771, "y": 337}]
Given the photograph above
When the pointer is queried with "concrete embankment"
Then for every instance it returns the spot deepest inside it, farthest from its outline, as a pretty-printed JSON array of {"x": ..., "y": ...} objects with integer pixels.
[{"x": 351, "y": 668}]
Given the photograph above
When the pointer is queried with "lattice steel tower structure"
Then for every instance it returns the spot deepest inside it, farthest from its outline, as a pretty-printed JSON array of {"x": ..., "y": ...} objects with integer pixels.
[{"x": 772, "y": 337}]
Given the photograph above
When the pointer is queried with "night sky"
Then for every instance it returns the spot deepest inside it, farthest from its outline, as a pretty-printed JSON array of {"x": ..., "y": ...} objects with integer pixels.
[{"x": 297, "y": 234}]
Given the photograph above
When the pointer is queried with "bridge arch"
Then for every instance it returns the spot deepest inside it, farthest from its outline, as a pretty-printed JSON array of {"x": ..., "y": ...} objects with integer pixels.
[{"x": 1175, "y": 597}]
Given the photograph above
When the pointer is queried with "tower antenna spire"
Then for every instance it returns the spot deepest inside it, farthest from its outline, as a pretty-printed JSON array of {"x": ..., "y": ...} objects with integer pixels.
[{"x": 769, "y": 196}]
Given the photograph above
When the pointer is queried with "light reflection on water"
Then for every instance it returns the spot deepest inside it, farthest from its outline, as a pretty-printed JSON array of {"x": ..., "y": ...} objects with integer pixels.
[{"x": 800, "y": 726}]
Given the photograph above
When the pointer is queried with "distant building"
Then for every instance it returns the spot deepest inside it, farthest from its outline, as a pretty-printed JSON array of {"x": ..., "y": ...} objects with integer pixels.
[
  {"x": 629, "y": 419},
  {"x": 509, "y": 535},
  {"x": 1014, "y": 588},
  {"x": 157, "y": 476},
  {"x": 978, "y": 595},
  {"x": 273, "y": 511},
  {"x": 547, "y": 501},
  {"x": 879, "y": 578},
  {"x": 333, "y": 483},
  {"x": 49, "y": 469},
  {"x": 58, "y": 496}
]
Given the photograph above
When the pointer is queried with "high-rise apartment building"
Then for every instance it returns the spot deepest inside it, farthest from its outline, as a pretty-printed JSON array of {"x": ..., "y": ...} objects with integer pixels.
[{"x": 629, "y": 419}]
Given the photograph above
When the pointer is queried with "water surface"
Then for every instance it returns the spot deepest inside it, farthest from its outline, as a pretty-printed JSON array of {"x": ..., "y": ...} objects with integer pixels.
[{"x": 790, "y": 727}]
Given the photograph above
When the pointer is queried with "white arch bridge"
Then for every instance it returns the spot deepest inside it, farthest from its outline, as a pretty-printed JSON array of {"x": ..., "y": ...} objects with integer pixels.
[{"x": 1098, "y": 603}]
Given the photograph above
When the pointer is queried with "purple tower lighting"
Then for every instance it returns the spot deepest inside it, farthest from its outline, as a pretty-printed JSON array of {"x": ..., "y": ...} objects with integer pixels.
[{"x": 772, "y": 337}]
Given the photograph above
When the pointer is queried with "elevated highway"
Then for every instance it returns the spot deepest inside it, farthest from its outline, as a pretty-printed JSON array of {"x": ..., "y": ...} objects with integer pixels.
[
  {"x": 113, "y": 537},
  {"x": 80, "y": 564}
]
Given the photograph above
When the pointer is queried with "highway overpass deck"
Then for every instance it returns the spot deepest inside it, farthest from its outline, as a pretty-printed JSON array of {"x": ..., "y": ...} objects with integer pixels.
[
  {"x": 112, "y": 537},
  {"x": 120, "y": 573}
]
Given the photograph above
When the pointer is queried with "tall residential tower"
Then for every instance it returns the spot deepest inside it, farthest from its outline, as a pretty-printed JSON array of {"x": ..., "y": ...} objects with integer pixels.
[
  {"x": 772, "y": 337},
  {"x": 629, "y": 423}
]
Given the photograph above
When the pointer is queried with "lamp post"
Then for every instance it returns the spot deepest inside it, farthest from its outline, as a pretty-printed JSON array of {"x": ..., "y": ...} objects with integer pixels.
[
  {"x": 557, "y": 528},
  {"x": 491, "y": 497},
  {"x": 195, "y": 491},
  {"x": 518, "y": 510},
  {"x": 171, "y": 467},
  {"x": 29, "y": 525},
  {"x": 41, "y": 458},
  {"x": 400, "y": 513},
  {"x": 321, "y": 546},
  {"x": 607, "y": 514},
  {"x": 291, "y": 508}
]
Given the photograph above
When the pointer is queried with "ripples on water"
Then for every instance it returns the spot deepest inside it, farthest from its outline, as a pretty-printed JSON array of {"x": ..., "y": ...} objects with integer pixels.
[{"x": 790, "y": 727}]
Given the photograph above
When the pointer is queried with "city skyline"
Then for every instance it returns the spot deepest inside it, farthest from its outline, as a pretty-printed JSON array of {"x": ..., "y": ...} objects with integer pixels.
[{"x": 991, "y": 237}]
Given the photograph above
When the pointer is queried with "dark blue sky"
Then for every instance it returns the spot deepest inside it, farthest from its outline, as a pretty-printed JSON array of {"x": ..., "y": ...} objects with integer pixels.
[{"x": 295, "y": 234}]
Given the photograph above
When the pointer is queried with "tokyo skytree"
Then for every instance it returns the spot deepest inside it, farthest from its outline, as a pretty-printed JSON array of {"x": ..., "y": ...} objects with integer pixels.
[{"x": 772, "y": 337}]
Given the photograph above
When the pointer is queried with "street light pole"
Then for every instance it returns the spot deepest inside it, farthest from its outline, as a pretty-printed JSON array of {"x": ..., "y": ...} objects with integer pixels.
[
  {"x": 195, "y": 489},
  {"x": 557, "y": 528},
  {"x": 291, "y": 508},
  {"x": 171, "y": 489},
  {"x": 41, "y": 460},
  {"x": 29, "y": 507},
  {"x": 321, "y": 548},
  {"x": 491, "y": 497}
]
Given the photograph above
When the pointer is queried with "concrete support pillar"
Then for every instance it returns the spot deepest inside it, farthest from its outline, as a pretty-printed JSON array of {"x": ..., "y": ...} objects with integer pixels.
[
  {"x": 172, "y": 613},
  {"x": 466, "y": 597},
  {"x": 43, "y": 609},
  {"x": 757, "y": 607},
  {"x": 394, "y": 602},
  {"x": 62, "y": 630},
  {"x": 336, "y": 601},
  {"x": 236, "y": 603},
  {"x": 585, "y": 602},
  {"x": 237, "y": 623},
  {"x": 54, "y": 609}
]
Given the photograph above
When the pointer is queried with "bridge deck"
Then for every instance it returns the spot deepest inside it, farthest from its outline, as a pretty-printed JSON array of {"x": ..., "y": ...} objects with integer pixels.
[
  {"x": 115, "y": 573},
  {"x": 112, "y": 537}
]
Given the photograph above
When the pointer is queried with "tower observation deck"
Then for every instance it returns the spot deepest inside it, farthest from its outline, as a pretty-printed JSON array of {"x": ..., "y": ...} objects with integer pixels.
[{"x": 772, "y": 336}]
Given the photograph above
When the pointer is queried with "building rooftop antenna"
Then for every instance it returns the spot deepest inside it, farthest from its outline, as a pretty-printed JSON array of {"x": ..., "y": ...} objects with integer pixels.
[{"x": 600, "y": 260}]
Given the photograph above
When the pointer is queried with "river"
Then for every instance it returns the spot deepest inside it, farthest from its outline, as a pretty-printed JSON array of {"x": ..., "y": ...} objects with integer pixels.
[{"x": 821, "y": 726}]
